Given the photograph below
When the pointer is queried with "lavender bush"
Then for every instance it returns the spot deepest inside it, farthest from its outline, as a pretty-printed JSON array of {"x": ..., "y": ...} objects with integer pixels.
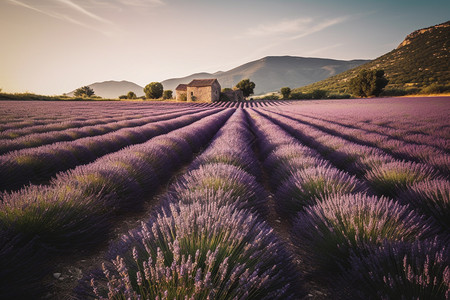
[
  {"x": 327, "y": 233},
  {"x": 77, "y": 208},
  {"x": 432, "y": 198},
  {"x": 56, "y": 219},
  {"x": 231, "y": 145},
  {"x": 45, "y": 161},
  {"x": 104, "y": 181},
  {"x": 199, "y": 251},
  {"x": 241, "y": 159},
  {"x": 284, "y": 153},
  {"x": 34, "y": 139},
  {"x": 402, "y": 270},
  {"x": 308, "y": 186},
  {"x": 391, "y": 178},
  {"x": 290, "y": 166},
  {"x": 240, "y": 185}
]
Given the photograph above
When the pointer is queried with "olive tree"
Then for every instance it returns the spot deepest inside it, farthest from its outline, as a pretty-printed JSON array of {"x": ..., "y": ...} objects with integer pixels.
[
  {"x": 154, "y": 90},
  {"x": 84, "y": 91},
  {"x": 246, "y": 86}
]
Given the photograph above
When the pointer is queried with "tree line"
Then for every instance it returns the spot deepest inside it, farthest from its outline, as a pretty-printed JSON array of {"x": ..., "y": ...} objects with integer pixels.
[
  {"x": 155, "y": 90},
  {"x": 368, "y": 83}
]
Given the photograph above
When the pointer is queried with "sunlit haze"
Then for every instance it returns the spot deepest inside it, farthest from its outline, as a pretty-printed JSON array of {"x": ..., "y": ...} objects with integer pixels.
[{"x": 55, "y": 46}]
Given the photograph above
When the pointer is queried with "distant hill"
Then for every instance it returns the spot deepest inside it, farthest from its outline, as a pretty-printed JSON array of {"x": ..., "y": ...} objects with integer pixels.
[
  {"x": 420, "y": 60},
  {"x": 113, "y": 89},
  {"x": 274, "y": 72},
  {"x": 269, "y": 74}
]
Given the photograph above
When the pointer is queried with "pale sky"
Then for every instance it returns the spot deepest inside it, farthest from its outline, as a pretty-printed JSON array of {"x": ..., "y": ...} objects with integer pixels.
[{"x": 55, "y": 46}]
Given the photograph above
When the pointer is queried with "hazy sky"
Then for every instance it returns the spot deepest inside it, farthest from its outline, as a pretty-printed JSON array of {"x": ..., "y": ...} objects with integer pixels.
[{"x": 55, "y": 46}]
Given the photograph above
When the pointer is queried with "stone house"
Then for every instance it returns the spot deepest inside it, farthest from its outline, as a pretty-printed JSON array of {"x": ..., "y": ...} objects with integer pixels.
[
  {"x": 204, "y": 90},
  {"x": 180, "y": 92}
]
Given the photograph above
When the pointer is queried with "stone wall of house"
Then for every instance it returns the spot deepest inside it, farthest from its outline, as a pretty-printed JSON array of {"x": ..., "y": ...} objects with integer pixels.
[
  {"x": 204, "y": 93},
  {"x": 215, "y": 92},
  {"x": 178, "y": 95}
]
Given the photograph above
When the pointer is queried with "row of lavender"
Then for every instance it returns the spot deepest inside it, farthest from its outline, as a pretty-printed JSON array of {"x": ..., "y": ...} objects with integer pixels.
[
  {"x": 412, "y": 183},
  {"x": 37, "y": 165},
  {"x": 411, "y": 118},
  {"x": 16, "y": 115},
  {"x": 78, "y": 208},
  {"x": 48, "y": 137},
  {"x": 416, "y": 131},
  {"x": 19, "y": 118},
  {"x": 434, "y": 155},
  {"x": 209, "y": 239},
  {"x": 382, "y": 247},
  {"x": 90, "y": 118}
]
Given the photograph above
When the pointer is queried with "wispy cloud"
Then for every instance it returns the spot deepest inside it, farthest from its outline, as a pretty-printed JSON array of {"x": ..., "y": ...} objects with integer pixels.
[
  {"x": 319, "y": 27},
  {"x": 123, "y": 4},
  {"x": 283, "y": 27},
  {"x": 83, "y": 11},
  {"x": 292, "y": 29},
  {"x": 71, "y": 18}
]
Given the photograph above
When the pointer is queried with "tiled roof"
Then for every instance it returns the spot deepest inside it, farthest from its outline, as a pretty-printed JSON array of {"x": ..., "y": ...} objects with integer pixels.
[
  {"x": 181, "y": 87},
  {"x": 202, "y": 82}
]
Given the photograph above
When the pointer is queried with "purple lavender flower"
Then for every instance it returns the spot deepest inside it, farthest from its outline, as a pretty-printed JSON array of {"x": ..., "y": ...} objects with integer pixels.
[
  {"x": 391, "y": 178},
  {"x": 58, "y": 219},
  {"x": 432, "y": 198},
  {"x": 203, "y": 250},
  {"x": 401, "y": 270},
  {"x": 239, "y": 185},
  {"x": 328, "y": 232},
  {"x": 308, "y": 186}
]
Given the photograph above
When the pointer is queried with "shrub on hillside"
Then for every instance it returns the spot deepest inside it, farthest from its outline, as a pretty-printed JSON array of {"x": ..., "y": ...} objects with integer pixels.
[
  {"x": 435, "y": 88},
  {"x": 319, "y": 94},
  {"x": 368, "y": 83},
  {"x": 285, "y": 91}
]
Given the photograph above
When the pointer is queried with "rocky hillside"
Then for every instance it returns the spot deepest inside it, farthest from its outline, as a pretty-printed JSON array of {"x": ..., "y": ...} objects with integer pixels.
[{"x": 420, "y": 60}]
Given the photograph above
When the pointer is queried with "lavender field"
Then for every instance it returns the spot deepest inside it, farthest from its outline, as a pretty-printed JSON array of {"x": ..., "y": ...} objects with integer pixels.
[{"x": 330, "y": 199}]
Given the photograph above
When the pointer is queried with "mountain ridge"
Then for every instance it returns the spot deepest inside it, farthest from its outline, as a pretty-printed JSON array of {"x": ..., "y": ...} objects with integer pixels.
[
  {"x": 112, "y": 89},
  {"x": 269, "y": 73}
]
